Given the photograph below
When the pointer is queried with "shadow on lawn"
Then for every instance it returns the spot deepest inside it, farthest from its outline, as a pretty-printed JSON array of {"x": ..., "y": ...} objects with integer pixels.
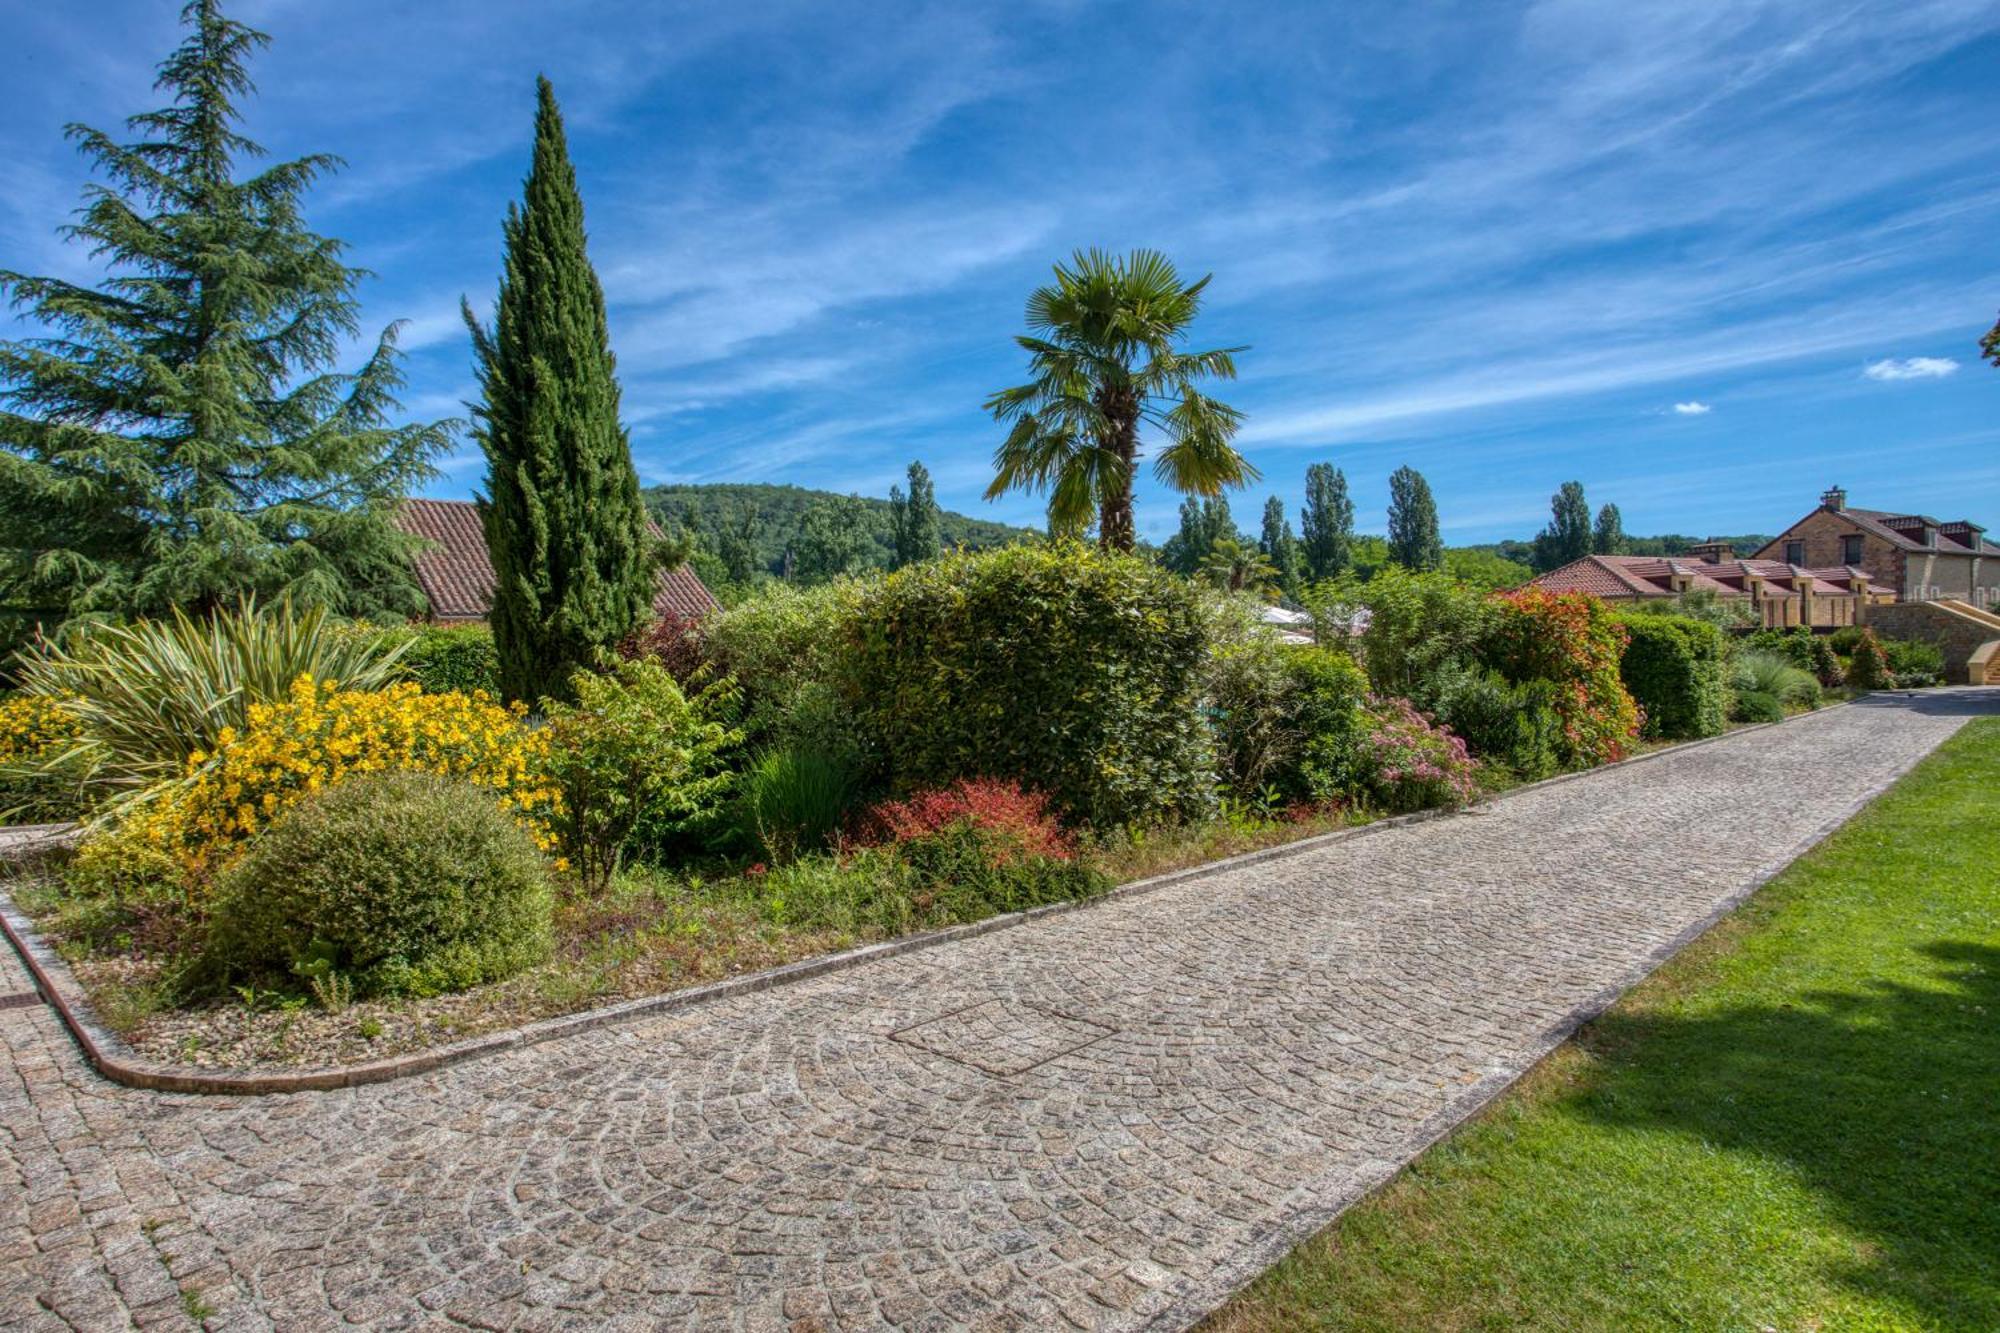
[{"x": 1884, "y": 1100}]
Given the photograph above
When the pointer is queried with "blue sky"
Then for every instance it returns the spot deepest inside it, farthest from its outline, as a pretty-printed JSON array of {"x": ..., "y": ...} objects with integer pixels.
[{"x": 1706, "y": 257}]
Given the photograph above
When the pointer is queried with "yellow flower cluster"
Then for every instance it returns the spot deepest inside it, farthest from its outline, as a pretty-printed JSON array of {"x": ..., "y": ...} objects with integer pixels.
[
  {"x": 30, "y": 724},
  {"x": 321, "y": 734}
]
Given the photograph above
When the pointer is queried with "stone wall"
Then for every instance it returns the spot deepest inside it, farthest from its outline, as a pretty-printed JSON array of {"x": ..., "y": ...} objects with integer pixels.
[{"x": 1960, "y": 636}]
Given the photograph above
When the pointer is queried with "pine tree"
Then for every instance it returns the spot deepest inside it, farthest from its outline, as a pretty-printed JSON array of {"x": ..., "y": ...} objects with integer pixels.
[
  {"x": 1608, "y": 538},
  {"x": 914, "y": 519},
  {"x": 1280, "y": 547},
  {"x": 1326, "y": 523},
  {"x": 573, "y": 554},
  {"x": 180, "y": 436},
  {"x": 1413, "y": 522},
  {"x": 1567, "y": 537}
]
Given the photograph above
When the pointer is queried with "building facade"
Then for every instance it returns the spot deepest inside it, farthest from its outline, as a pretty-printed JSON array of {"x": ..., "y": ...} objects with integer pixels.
[
  {"x": 1922, "y": 558},
  {"x": 1777, "y": 594}
]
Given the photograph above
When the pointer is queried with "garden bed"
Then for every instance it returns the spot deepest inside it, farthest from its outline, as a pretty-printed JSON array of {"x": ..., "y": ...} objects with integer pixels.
[{"x": 651, "y": 934}]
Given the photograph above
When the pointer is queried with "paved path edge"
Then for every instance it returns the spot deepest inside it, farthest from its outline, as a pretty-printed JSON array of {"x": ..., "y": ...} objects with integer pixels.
[
  {"x": 111, "y": 1058},
  {"x": 1317, "y": 1208}
]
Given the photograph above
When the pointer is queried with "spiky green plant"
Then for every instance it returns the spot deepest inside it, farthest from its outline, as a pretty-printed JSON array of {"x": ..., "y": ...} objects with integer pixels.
[
  {"x": 1770, "y": 674},
  {"x": 150, "y": 694}
]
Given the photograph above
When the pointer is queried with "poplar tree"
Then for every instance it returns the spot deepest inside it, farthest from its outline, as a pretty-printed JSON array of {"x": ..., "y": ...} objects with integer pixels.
[
  {"x": 1413, "y": 522},
  {"x": 1608, "y": 537},
  {"x": 1568, "y": 535},
  {"x": 179, "y": 435},
  {"x": 914, "y": 519},
  {"x": 573, "y": 555},
  {"x": 1280, "y": 546},
  {"x": 1326, "y": 524}
]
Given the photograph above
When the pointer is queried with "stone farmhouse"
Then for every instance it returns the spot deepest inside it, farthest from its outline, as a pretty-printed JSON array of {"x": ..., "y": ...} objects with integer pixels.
[
  {"x": 455, "y": 570},
  {"x": 1923, "y": 559}
]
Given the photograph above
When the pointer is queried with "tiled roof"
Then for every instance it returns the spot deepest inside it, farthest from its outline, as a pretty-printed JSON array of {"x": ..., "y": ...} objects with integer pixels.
[
  {"x": 1897, "y": 530},
  {"x": 1619, "y": 576},
  {"x": 456, "y": 571}
]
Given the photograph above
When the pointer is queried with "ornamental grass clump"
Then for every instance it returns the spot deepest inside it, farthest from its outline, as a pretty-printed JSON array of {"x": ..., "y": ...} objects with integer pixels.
[
  {"x": 395, "y": 883},
  {"x": 147, "y": 695},
  {"x": 1765, "y": 685}
]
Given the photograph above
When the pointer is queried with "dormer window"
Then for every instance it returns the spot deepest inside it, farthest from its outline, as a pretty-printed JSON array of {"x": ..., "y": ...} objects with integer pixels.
[{"x": 1850, "y": 549}]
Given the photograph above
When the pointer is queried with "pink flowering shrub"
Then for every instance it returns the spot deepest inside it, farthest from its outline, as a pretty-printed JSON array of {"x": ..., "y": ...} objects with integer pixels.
[{"x": 1409, "y": 763}]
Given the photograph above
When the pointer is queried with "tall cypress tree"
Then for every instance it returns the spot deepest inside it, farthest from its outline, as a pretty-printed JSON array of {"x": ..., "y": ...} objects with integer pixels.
[
  {"x": 1326, "y": 524},
  {"x": 180, "y": 436},
  {"x": 573, "y": 557},
  {"x": 915, "y": 519},
  {"x": 1413, "y": 522}
]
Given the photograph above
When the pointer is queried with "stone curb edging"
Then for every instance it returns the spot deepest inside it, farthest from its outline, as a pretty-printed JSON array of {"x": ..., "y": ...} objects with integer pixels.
[{"x": 108, "y": 1054}]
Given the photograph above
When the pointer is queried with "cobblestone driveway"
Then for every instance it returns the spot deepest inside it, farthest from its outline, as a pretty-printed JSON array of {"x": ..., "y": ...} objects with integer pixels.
[{"x": 1108, "y": 1117}]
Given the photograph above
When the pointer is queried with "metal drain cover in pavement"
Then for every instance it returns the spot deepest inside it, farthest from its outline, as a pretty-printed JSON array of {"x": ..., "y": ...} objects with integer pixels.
[{"x": 1002, "y": 1036}]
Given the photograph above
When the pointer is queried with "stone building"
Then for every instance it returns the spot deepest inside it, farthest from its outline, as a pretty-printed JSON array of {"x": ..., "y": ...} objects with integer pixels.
[
  {"x": 1779, "y": 594},
  {"x": 1920, "y": 557}
]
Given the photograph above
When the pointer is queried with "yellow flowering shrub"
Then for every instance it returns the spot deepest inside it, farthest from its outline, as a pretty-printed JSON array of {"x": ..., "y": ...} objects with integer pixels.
[
  {"x": 321, "y": 734},
  {"x": 33, "y": 730},
  {"x": 30, "y": 724}
]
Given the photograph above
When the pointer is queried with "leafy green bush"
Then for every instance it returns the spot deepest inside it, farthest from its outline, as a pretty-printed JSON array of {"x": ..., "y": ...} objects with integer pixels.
[
  {"x": 1673, "y": 667},
  {"x": 1419, "y": 627},
  {"x": 787, "y": 649},
  {"x": 147, "y": 695},
  {"x": 1868, "y": 664},
  {"x": 1770, "y": 676},
  {"x": 1502, "y": 722},
  {"x": 1248, "y": 696},
  {"x": 632, "y": 751},
  {"x": 1913, "y": 664},
  {"x": 1071, "y": 670},
  {"x": 442, "y": 658},
  {"x": 396, "y": 883},
  {"x": 1756, "y": 707},
  {"x": 793, "y": 801},
  {"x": 1327, "y": 693}
]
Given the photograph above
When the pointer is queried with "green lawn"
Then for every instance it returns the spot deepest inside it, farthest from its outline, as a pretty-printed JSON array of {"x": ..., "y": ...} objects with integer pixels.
[{"x": 1793, "y": 1125}]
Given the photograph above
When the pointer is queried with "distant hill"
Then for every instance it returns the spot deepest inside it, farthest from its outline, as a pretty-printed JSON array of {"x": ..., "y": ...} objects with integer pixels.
[{"x": 709, "y": 510}]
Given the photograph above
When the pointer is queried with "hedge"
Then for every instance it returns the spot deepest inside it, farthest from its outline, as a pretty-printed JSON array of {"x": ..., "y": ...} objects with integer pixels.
[
  {"x": 1073, "y": 671},
  {"x": 1673, "y": 668}
]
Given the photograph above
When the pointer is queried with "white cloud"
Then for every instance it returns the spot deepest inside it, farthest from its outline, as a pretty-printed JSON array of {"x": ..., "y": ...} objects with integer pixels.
[
  {"x": 1693, "y": 409},
  {"x": 1910, "y": 368}
]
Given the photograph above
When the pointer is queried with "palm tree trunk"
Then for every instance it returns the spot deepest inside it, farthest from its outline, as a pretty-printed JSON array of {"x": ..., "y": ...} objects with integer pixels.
[{"x": 1115, "y": 528}]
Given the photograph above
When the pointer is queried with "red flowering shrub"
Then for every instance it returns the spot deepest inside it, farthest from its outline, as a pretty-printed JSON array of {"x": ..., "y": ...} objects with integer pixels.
[
  {"x": 1409, "y": 763},
  {"x": 1015, "y": 824},
  {"x": 1571, "y": 640},
  {"x": 673, "y": 640}
]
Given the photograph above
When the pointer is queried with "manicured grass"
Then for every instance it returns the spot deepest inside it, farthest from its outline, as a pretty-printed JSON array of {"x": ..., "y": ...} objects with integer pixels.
[{"x": 1795, "y": 1125}]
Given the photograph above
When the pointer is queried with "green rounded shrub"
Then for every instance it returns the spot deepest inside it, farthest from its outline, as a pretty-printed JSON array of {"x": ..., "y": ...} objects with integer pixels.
[
  {"x": 1327, "y": 694},
  {"x": 1753, "y": 706},
  {"x": 1073, "y": 671},
  {"x": 1502, "y": 722},
  {"x": 401, "y": 883},
  {"x": 1673, "y": 667}
]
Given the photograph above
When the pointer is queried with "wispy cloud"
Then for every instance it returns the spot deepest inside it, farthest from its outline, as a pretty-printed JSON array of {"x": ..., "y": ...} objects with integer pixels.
[
  {"x": 1695, "y": 408},
  {"x": 1910, "y": 368}
]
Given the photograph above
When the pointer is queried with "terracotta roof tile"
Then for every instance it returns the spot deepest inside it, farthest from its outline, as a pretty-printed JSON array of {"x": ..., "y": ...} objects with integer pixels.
[{"x": 456, "y": 573}]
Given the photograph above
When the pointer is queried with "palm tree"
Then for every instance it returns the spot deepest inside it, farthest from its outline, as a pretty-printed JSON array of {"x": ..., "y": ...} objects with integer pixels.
[
  {"x": 1104, "y": 356},
  {"x": 1238, "y": 566}
]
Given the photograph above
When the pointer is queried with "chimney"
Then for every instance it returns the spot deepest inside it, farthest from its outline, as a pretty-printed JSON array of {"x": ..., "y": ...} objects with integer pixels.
[
  {"x": 1834, "y": 498},
  {"x": 1712, "y": 553}
]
